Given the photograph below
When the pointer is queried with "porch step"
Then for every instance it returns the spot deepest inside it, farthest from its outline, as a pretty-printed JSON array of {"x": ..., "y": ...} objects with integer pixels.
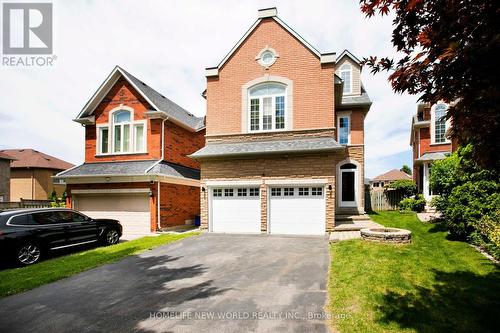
[
  {"x": 352, "y": 217},
  {"x": 338, "y": 236}
]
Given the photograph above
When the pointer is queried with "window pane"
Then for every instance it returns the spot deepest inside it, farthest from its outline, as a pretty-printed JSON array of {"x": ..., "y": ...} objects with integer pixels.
[
  {"x": 104, "y": 136},
  {"x": 121, "y": 117},
  {"x": 345, "y": 75},
  {"x": 126, "y": 138},
  {"x": 228, "y": 192},
  {"x": 242, "y": 192},
  {"x": 254, "y": 114},
  {"x": 118, "y": 138},
  {"x": 267, "y": 89},
  {"x": 254, "y": 192},
  {"x": 344, "y": 130},
  {"x": 440, "y": 123},
  {"x": 267, "y": 113},
  {"x": 280, "y": 112},
  {"x": 139, "y": 138}
]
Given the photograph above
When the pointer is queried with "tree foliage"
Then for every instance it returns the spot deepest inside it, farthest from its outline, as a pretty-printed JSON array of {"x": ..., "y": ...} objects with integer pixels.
[
  {"x": 405, "y": 186},
  {"x": 469, "y": 197},
  {"x": 448, "y": 52},
  {"x": 406, "y": 169}
]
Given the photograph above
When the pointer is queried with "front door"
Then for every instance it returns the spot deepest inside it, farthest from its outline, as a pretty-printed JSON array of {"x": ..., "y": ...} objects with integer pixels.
[{"x": 348, "y": 193}]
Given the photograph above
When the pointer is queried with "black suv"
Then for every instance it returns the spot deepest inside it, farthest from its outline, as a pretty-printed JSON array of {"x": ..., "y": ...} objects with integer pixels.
[{"x": 28, "y": 234}]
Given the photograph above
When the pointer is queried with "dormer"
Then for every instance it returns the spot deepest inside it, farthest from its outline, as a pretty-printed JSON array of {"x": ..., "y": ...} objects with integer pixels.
[{"x": 348, "y": 69}]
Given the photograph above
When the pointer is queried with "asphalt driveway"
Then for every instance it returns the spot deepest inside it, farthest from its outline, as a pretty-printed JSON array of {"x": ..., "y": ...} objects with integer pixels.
[{"x": 210, "y": 283}]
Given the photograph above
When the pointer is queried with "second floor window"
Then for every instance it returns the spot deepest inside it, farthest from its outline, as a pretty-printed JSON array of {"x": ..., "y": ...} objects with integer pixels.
[
  {"x": 267, "y": 107},
  {"x": 440, "y": 123},
  {"x": 122, "y": 135},
  {"x": 346, "y": 76},
  {"x": 344, "y": 129}
]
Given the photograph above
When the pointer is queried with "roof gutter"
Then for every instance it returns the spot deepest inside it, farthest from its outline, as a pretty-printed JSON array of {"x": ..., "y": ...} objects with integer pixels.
[{"x": 283, "y": 152}]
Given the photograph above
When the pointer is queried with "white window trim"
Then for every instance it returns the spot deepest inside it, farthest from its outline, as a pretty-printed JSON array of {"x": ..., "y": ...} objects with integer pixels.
[
  {"x": 432, "y": 127},
  {"x": 350, "y": 71},
  {"x": 344, "y": 114},
  {"x": 261, "y": 112},
  {"x": 245, "y": 103},
  {"x": 111, "y": 133},
  {"x": 261, "y": 53},
  {"x": 358, "y": 183}
]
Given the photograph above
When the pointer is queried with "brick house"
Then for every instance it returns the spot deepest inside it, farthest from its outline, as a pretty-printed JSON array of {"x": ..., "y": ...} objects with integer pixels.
[
  {"x": 136, "y": 168},
  {"x": 429, "y": 142},
  {"x": 31, "y": 173},
  {"x": 285, "y": 135},
  {"x": 5, "y": 161},
  {"x": 387, "y": 178}
]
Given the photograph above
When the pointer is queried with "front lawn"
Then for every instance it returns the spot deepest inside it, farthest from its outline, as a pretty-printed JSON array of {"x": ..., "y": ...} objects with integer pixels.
[
  {"x": 432, "y": 285},
  {"x": 15, "y": 280}
]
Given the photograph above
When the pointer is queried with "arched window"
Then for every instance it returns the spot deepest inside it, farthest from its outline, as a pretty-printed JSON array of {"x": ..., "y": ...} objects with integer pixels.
[
  {"x": 440, "y": 123},
  {"x": 121, "y": 131},
  {"x": 267, "y": 107},
  {"x": 346, "y": 76},
  {"x": 348, "y": 166}
]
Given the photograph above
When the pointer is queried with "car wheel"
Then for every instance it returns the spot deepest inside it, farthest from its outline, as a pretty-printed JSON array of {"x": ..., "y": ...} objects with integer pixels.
[
  {"x": 28, "y": 254},
  {"x": 111, "y": 236}
]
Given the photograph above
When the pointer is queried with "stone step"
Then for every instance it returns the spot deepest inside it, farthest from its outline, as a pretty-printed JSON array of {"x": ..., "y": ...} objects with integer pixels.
[
  {"x": 338, "y": 236},
  {"x": 346, "y": 217}
]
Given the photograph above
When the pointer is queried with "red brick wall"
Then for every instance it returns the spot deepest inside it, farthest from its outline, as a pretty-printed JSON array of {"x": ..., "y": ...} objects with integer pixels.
[
  {"x": 357, "y": 127},
  {"x": 425, "y": 143},
  {"x": 124, "y": 94},
  {"x": 178, "y": 204},
  {"x": 313, "y": 96},
  {"x": 180, "y": 142}
]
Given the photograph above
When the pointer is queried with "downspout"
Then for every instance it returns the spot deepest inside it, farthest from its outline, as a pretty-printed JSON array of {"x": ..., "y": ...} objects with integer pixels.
[{"x": 158, "y": 224}]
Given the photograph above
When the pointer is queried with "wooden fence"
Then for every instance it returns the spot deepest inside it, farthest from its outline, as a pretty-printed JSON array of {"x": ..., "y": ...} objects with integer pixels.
[
  {"x": 383, "y": 199},
  {"x": 25, "y": 203}
]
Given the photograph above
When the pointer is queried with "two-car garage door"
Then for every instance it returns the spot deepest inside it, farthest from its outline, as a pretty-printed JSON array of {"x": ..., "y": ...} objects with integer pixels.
[
  {"x": 132, "y": 210},
  {"x": 294, "y": 210}
]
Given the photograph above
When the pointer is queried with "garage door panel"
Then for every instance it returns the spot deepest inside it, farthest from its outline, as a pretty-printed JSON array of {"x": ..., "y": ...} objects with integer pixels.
[
  {"x": 131, "y": 210},
  {"x": 234, "y": 210},
  {"x": 297, "y": 211}
]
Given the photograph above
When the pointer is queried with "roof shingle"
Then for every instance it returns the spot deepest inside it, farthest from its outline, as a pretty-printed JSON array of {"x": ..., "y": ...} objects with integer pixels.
[{"x": 30, "y": 158}]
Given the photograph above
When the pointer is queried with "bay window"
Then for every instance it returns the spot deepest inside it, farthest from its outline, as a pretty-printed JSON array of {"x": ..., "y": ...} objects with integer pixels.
[
  {"x": 123, "y": 135},
  {"x": 267, "y": 107}
]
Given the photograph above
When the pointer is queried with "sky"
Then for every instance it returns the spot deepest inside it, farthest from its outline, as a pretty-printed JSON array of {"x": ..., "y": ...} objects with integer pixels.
[{"x": 168, "y": 44}]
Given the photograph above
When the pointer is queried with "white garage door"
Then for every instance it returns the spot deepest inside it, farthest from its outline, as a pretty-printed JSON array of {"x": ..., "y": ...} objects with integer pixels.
[
  {"x": 297, "y": 210},
  {"x": 132, "y": 210},
  {"x": 235, "y": 210}
]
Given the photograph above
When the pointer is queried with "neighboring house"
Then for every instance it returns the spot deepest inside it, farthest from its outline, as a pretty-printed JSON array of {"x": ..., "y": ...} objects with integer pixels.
[
  {"x": 430, "y": 142},
  {"x": 388, "y": 178},
  {"x": 31, "y": 174},
  {"x": 5, "y": 161},
  {"x": 137, "y": 168},
  {"x": 285, "y": 135}
]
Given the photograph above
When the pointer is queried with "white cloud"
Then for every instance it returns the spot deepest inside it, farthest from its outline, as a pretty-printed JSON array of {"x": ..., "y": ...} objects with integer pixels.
[{"x": 168, "y": 44}]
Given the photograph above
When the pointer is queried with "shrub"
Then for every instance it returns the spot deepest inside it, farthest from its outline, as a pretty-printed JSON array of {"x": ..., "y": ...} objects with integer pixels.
[
  {"x": 53, "y": 196},
  {"x": 405, "y": 186},
  {"x": 416, "y": 204},
  {"x": 469, "y": 198}
]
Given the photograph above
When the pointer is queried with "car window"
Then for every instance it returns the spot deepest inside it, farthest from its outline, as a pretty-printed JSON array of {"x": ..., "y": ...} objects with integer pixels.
[
  {"x": 47, "y": 218},
  {"x": 24, "y": 219},
  {"x": 78, "y": 217}
]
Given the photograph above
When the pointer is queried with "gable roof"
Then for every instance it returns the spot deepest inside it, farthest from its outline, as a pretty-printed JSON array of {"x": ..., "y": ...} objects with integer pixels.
[
  {"x": 157, "y": 101},
  {"x": 271, "y": 13},
  {"x": 351, "y": 56},
  {"x": 393, "y": 174},
  {"x": 30, "y": 158}
]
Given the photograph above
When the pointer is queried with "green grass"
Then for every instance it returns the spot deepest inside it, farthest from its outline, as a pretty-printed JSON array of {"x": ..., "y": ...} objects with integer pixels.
[
  {"x": 432, "y": 285},
  {"x": 16, "y": 280}
]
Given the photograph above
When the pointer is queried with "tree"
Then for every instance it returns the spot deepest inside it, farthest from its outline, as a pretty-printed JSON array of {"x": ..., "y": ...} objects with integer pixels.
[
  {"x": 406, "y": 169},
  {"x": 448, "y": 52},
  {"x": 53, "y": 196},
  {"x": 406, "y": 186}
]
